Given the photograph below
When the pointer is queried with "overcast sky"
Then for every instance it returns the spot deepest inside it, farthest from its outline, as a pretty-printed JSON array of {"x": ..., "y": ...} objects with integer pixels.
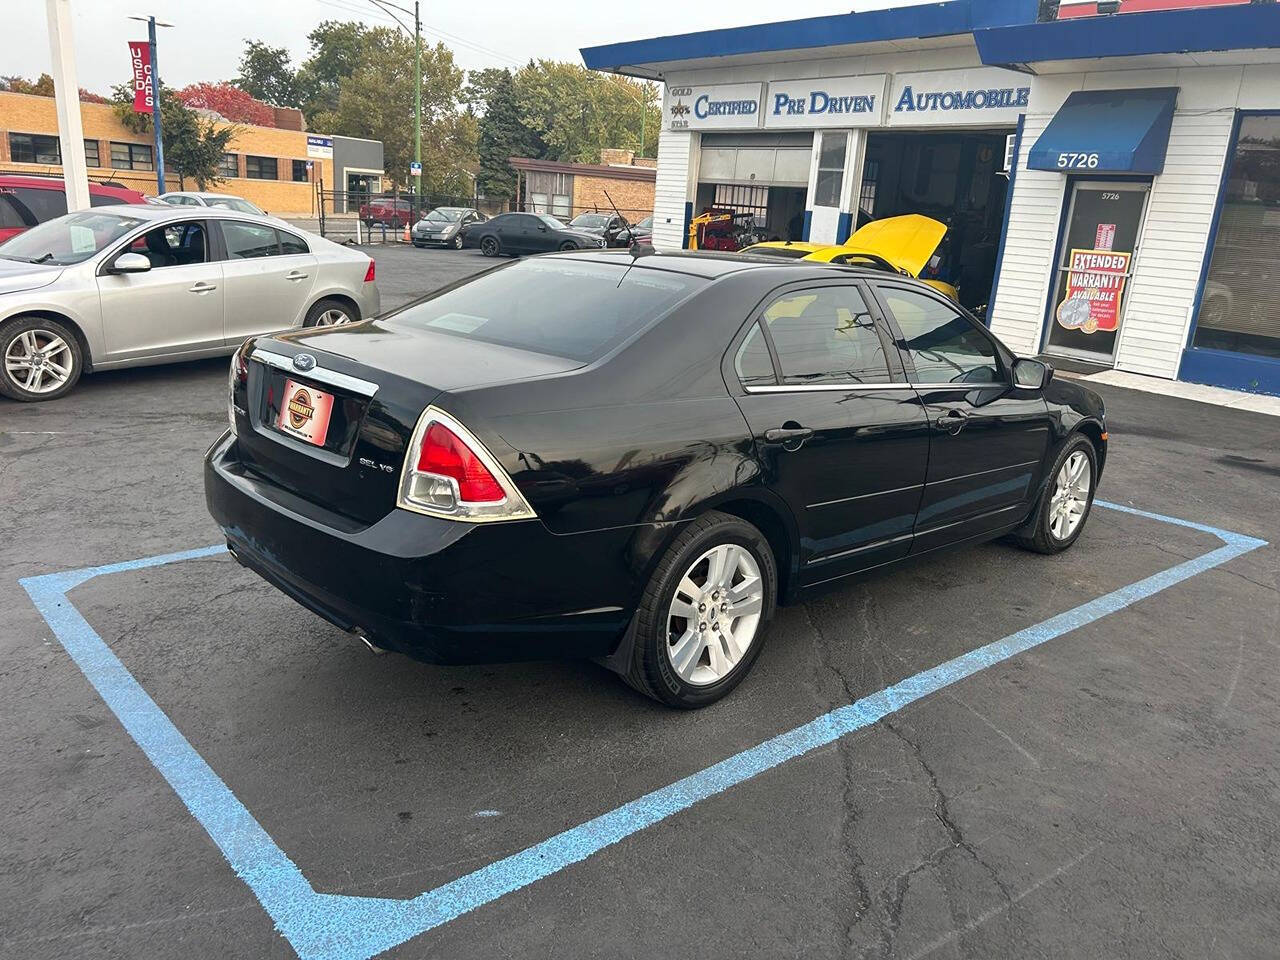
[{"x": 207, "y": 37}]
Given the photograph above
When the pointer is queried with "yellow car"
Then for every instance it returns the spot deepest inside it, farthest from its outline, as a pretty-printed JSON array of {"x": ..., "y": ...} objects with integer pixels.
[{"x": 905, "y": 244}]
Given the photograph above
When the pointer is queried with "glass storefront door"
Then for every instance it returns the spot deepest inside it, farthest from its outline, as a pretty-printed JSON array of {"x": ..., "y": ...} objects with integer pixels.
[{"x": 1100, "y": 241}]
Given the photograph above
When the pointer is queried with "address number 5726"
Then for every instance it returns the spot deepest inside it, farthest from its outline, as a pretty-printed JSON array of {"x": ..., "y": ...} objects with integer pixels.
[{"x": 1077, "y": 161}]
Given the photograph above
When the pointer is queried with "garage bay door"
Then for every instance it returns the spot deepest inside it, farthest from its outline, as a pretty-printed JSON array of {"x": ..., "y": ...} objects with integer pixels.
[{"x": 780, "y": 159}]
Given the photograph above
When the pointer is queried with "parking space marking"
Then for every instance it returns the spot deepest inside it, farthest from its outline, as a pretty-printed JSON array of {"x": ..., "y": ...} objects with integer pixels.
[{"x": 323, "y": 926}]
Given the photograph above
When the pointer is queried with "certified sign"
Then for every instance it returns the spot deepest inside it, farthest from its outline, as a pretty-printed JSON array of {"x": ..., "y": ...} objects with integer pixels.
[
  {"x": 1095, "y": 284},
  {"x": 982, "y": 96},
  {"x": 320, "y": 147},
  {"x": 834, "y": 102},
  {"x": 723, "y": 106}
]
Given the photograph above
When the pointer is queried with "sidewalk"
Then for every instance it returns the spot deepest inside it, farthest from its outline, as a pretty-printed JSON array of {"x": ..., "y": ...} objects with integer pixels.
[{"x": 1217, "y": 396}]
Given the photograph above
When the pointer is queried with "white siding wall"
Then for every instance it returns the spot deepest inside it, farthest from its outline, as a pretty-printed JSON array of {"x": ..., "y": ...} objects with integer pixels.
[
  {"x": 673, "y": 187},
  {"x": 1162, "y": 292}
]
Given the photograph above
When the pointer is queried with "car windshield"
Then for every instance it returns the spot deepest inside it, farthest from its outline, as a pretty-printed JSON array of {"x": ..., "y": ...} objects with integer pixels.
[
  {"x": 68, "y": 239},
  {"x": 550, "y": 221},
  {"x": 565, "y": 308},
  {"x": 448, "y": 214},
  {"x": 590, "y": 220},
  {"x": 645, "y": 224},
  {"x": 233, "y": 203}
]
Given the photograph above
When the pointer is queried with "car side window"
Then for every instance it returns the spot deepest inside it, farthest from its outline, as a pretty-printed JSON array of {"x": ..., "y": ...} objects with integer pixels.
[
  {"x": 945, "y": 346},
  {"x": 826, "y": 335},
  {"x": 173, "y": 245},
  {"x": 291, "y": 244},
  {"x": 753, "y": 362},
  {"x": 247, "y": 241}
]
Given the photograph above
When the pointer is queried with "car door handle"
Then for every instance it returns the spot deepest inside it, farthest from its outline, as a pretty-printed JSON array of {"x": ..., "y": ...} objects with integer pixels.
[
  {"x": 295, "y": 275},
  {"x": 203, "y": 287},
  {"x": 787, "y": 434},
  {"x": 953, "y": 421}
]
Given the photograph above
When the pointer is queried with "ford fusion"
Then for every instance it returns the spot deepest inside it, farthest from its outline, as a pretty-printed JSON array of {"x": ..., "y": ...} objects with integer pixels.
[{"x": 636, "y": 459}]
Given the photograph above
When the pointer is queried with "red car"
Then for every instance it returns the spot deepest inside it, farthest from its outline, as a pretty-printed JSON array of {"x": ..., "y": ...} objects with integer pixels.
[
  {"x": 27, "y": 201},
  {"x": 394, "y": 213}
]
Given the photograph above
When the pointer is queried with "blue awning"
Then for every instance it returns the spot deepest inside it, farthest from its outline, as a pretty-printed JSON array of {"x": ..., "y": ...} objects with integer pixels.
[{"x": 1108, "y": 131}]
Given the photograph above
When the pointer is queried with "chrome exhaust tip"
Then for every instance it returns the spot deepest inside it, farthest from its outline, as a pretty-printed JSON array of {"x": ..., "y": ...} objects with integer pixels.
[
  {"x": 231, "y": 549},
  {"x": 369, "y": 644}
]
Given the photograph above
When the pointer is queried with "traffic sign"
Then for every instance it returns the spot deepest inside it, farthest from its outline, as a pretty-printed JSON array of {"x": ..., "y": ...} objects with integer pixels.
[{"x": 415, "y": 168}]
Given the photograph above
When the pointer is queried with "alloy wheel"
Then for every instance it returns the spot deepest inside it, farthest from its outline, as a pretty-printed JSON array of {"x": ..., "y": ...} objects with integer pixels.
[
  {"x": 39, "y": 361},
  {"x": 333, "y": 318},
  {"x": 1070, "y": 495},
  {"x": 715, "y": 614}
]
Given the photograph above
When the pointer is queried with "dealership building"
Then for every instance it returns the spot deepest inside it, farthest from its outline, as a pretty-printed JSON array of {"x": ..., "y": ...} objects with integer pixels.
[{"x": 1111, "y": 182}]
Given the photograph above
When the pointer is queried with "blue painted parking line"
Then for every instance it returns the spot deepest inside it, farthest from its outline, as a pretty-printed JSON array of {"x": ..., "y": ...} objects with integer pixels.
[{"x": 335, "y": 927}]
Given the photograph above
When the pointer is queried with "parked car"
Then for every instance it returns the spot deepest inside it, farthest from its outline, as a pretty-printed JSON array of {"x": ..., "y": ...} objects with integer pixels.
[
  {"x": 27, "y": 201},
  {"x": 642, "y": 231},
  {"x": 193, "y": 198},
  {"x": 145, "y": 284},
  {"x": 613, "y": 227},
  {"x": 635, "y": 458},
  {"x": 444, "y": 226},
  {"x": 513, "y": 234},
  {"x": 386, "y": 211}
]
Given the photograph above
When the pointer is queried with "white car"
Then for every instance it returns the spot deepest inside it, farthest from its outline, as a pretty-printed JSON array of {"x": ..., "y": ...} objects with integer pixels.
[
  {"x": 130, "y": 285},
  {"x": 195, "y": 198}
]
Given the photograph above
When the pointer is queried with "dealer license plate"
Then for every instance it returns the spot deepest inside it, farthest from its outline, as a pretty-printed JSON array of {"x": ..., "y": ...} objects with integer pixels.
[{"x": 305, "y": 412}]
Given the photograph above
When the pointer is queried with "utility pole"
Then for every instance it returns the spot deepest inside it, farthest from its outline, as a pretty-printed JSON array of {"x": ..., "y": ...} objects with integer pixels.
[
  {"x": 156, "y": 126},
  {"x": 417, "y": 95},
  {"x": 66, "y": 95}
]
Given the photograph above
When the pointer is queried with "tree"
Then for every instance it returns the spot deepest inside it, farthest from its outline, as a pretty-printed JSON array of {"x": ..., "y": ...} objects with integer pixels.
[
  {"x": 43, "y": 87},
  {"x": 336, "y": 52},
  {"x": 229, "y": 101},
  {"x": 265, "y": 73},
  {"x": 377, "y": 102},
  {"x": 577, "y": 112},
  {"x": 193, "y": 145},
  {"x": 502, "y": 133}
]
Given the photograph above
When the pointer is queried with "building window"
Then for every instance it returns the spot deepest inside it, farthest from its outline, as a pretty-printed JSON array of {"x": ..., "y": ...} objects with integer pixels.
[
  {"x": 91, "y": 157},
  {"x": 753, "y": 200},
  {"x": 34, "y": 148},
  {"x": 300, "y": 172},
  {"x": 229, "y": 166},
  {"x": 260, "y": 168},
  {"x": 830, "y": 180},
  {"x": 130, "y": 156},
  {"x": 867, "y": 196},
  {"x": 1239, "y": 306},
  {"x": 561, "y": 205}
]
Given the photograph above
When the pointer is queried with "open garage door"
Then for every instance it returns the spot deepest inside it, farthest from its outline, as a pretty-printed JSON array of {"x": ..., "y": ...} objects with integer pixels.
[{"x": 762, "y": 174}]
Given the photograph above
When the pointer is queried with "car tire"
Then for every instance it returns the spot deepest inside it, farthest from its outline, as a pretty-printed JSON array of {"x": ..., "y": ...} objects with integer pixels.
[
  {"x": 663, "y": 639},
  {"x": 1051, "y": 529},
  {"x": 568, "y": 245},
  {"x": 457, "y": 242},
  {"x": 54, "y": 343},
  {"x": 490, "y": 246},
  {"x": 324, "y": 313}
]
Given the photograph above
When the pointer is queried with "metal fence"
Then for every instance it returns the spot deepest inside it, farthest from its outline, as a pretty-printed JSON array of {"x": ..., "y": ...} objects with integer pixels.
[{"x": 349, "y": 216}]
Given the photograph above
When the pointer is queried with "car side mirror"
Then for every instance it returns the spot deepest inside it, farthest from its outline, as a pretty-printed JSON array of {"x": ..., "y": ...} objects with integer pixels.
[
  {"x": 542, "y": 227},
  {"x": 130, "y": 263},
  {"x": 1031, "y": 374}
]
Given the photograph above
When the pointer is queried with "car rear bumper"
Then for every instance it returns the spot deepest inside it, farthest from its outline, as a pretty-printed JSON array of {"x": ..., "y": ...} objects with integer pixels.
[{"x": 436, "y": 590}]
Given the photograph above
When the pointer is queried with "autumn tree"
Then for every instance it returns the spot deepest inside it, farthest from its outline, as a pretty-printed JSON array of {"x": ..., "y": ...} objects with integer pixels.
[
  {"x": 193, "y": 145},
  {"x": 230, "y": 101}
]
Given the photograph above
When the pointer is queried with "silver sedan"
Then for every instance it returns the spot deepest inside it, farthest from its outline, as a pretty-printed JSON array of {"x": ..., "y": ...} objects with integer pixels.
[{"x": 131, "y": 285}]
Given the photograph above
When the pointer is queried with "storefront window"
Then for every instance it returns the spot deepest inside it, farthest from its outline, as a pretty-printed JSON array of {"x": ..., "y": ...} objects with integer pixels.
[
  {"x": 1240, "y": 304},
  {"x": 826, "y": 191}
]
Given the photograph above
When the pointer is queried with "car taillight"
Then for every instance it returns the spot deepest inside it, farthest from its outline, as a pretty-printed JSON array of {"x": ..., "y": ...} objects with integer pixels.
[
  {"x": 368, "y": 274},
  {"x": 448, "y": 473},
  {"x": 237, "y": 376}
]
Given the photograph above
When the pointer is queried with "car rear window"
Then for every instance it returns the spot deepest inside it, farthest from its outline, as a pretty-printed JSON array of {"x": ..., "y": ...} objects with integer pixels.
[{"x": 558, "y": 306}]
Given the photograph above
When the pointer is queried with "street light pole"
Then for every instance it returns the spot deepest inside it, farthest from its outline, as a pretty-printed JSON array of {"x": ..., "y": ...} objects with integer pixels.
[
  {"x": 417, "y": 96},
  {"x": 155, "y": 114}
]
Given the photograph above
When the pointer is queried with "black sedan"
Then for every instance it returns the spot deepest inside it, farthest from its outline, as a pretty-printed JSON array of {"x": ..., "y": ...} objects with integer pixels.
[
  {"x": 636, "y": 458},
  {"x": 514, "y": 234},
  {"x": 611, "y": 226}
]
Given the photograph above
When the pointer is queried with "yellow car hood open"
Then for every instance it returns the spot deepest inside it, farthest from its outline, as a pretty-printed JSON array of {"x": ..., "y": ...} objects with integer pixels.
[{"x": 907, "y": 242}]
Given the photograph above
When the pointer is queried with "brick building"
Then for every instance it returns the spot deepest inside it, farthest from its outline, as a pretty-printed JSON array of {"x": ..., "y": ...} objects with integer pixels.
[
  {"x": 266, "y": 165},
  {"x": 568, "y": 189}
]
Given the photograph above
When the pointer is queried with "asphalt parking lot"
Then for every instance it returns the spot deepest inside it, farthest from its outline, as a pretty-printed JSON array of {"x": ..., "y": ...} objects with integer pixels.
[{"x": 1111, "y": 792}]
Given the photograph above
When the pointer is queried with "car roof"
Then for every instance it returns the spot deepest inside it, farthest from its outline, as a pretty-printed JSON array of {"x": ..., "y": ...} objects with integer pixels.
[
  {"x": 159, "y": 214},
  {"x": 38, "y": 182},
  {"x": 712, "y": 264}
]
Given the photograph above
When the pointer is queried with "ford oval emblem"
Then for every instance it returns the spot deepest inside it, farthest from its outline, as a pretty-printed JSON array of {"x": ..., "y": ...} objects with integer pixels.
[{"x": 304, "y": 362}]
